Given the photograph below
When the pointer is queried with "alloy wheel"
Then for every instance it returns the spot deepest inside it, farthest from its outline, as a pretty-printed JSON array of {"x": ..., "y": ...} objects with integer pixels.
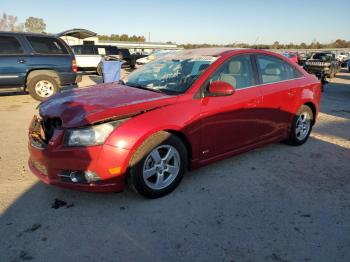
[
  {"x": 303, "y": 126},
  {"x": 161, "y": 167}
]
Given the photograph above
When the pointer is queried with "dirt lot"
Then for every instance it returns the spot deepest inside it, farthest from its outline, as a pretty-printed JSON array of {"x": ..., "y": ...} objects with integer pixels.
[{"x": 277, "y": 203}]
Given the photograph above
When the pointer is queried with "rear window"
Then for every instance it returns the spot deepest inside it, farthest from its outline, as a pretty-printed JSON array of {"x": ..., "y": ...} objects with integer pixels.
[
  {"x": 9, "y": 45},
  {"x": 47, "y": 45}
]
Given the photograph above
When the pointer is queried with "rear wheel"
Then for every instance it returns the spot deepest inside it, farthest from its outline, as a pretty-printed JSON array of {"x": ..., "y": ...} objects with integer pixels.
[
  {"x": 158, "y": 166},
  {"x": 42, "y": 87},
  {"x": 301, "y": 126}
]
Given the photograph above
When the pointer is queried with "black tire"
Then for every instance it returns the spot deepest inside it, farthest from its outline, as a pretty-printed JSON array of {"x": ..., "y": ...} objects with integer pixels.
[
  {"x": 33, "y": 82},
  {"x": 99, "y": 69},
  {"x": 135, "y": 178},
  {"x": 293, "y": 137}
]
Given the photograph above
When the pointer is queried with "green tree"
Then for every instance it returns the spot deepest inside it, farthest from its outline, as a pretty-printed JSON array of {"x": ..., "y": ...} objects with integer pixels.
[
  {"x": 34, "y": 24},
  {"x": 276, "y": 45}
]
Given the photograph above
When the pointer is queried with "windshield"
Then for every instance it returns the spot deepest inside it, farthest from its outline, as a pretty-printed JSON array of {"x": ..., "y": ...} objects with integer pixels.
[{"x": 170, "y": 75}]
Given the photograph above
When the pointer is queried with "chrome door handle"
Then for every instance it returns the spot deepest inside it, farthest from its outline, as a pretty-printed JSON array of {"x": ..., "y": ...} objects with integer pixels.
[{"x": 21, "y": 61}]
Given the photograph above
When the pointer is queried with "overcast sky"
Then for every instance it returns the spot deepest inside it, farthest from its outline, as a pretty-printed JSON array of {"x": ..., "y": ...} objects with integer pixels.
[{"x": 195, "y": 21}]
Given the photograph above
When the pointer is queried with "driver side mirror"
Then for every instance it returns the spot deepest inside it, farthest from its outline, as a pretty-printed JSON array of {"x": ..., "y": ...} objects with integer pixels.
[{"x": 220, "y": 88}]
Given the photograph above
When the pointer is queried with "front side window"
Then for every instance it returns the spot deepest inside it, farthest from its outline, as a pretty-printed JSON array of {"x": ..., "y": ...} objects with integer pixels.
[
  {"x": 47, "y": 45},
  {"x": 170, "y": 74},
  {"x": 9, "y": 45},
  {"x": 273, "y": 69},
  {"x": 237, "y": 71}
]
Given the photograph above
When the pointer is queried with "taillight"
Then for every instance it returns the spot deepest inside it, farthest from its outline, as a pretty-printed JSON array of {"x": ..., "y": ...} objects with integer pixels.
[{"x": 74, "y": 66}]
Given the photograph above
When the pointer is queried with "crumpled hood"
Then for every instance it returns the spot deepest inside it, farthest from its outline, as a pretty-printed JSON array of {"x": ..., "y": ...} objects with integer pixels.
[{"x": 83, "y": 106}]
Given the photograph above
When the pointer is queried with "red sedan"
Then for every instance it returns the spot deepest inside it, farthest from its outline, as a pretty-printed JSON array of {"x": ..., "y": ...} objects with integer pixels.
[{"x": 182, "y": 111}]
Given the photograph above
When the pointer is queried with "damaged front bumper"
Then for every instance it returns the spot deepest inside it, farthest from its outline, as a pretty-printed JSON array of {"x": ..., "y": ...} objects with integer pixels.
[{"x": 93, "y": 168}]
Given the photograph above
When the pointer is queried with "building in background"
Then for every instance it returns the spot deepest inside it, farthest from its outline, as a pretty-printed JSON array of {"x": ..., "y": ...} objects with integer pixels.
[{"x": 134, "y": 47}]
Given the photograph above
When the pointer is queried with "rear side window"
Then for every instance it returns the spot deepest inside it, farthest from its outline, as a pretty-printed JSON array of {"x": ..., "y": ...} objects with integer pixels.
[
  {"x": 76, "y": 50},
  {"x": 47, "y": 45},
  {"x": 275, "y": 70},
  {"x": 9, "y": 45}
]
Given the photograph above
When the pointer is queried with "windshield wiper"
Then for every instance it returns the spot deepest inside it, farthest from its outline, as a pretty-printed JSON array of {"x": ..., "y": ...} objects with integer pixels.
[{"x": 143, "y": 87}]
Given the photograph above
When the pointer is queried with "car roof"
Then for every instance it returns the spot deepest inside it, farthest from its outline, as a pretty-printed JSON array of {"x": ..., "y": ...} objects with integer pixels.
[
  {"x": 212, "y": 52},
  {"x": 25, "y": 33},
  {"x": 215, "y": 51},
  {"x": 93, "y": 45}
]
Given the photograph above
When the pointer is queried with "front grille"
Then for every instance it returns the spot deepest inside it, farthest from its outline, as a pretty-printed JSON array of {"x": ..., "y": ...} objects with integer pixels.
[{"x": 49, "y": 125}]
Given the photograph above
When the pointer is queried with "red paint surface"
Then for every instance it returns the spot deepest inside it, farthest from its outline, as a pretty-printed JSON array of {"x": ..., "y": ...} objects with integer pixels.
[{"x": 213, "y": 127}]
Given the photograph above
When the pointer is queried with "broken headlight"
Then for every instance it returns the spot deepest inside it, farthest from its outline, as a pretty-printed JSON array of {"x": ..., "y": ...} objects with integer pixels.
[{"x": 92, "y": 135}]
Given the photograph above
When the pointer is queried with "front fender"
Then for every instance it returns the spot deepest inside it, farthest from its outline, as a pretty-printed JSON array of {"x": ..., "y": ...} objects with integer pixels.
[{"x": 178, "y": 117}]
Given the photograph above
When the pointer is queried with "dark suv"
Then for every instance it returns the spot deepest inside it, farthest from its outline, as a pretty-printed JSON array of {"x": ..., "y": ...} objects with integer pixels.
[
  {"x": 39, "y": 63},
  {"x": 322, "y": 64}
]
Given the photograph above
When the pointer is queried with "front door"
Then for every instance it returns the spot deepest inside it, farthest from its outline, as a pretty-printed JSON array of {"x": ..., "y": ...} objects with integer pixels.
[
  {"x": 12, "y": 62},
  {"x": 232, "y": 122}
]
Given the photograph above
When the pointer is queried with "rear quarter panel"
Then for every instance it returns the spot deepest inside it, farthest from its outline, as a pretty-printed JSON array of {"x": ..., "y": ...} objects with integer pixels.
[{"x": 309, "y": 92}]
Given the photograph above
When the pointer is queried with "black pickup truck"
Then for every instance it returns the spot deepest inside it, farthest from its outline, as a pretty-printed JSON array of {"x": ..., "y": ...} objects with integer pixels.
[{"x": 322, "y": 64}]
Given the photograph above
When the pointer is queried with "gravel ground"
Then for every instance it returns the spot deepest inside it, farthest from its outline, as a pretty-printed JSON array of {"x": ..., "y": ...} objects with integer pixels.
[{"x": 278, "y": 203}]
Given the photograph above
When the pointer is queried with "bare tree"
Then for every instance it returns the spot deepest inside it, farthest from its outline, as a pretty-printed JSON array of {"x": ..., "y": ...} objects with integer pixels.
[
  {"x": 34, "y": 24},
  {"x": 19, "y": 27},
  {"x": 8, "y": 22}
]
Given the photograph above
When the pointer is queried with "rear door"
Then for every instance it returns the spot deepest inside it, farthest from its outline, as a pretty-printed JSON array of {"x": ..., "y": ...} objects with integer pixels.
[
  {"x": 13, "y": 61},
  {"x": 50, "y": 53},
  {"x": 279, "y": 85}
]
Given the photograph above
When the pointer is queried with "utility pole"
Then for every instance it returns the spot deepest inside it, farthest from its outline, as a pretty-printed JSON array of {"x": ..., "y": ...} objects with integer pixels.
[{"x": 149, "y": 36}]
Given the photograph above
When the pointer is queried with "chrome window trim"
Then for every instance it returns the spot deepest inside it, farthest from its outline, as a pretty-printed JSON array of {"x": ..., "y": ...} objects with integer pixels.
[{"x": 269, "y": 83}]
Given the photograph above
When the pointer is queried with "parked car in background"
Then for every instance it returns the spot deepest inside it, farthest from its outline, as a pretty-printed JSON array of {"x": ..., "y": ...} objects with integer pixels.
[
  {"x": 303, "y": 57},
  {"x": 292, "y": 56},
  {"x": 348, "y": 64},
  {"x": 39, "y": 63},
  {"x": 153, "y": 56},
  {"x": 342, "y": 56},
  {"x": 89, "y": 57},
  {"x": 128, "y": 58},
  {"x": 185, "y": 109},
  {"x": 322, "y": 64},
  {"x": 345, "y": 62}
]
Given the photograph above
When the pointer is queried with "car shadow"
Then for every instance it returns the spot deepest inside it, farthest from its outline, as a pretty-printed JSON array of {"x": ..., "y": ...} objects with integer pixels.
[
  {"x": 220, "y": 211},
  {"x": 12, "y": 92},
  {"x": 262, "y": 204},
  {"x": 96, "y": 79}
]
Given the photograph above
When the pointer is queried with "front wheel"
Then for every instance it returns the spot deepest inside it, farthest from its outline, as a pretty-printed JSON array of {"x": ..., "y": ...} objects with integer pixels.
[
  {"x": 301, "y": 126},
  {"x": 158, "y": 166}
]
